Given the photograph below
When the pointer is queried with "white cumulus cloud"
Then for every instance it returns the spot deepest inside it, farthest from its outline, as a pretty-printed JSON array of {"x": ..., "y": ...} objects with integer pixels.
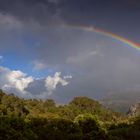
[
  {"x": 19, "y": 83},
  {"x": 52, "y": 82},
  {"x": 14, "y": 80},
  {"x": 67, "y": 77}
]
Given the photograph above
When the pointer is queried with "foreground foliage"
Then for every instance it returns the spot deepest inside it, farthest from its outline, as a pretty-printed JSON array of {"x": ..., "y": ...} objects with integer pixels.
[{"x": 82, "y": 119}]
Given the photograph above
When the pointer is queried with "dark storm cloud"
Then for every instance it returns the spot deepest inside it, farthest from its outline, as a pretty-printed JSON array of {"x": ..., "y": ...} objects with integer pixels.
[
  {"x": 42, "y": 11},
  {"x": 71, "y": 11},
  {"x": 98, "y": 64},
  {"x": 115, "y": 15}
]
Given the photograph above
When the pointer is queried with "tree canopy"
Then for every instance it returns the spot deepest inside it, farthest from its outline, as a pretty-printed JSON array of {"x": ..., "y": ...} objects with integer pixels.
[{"x": 81, "y": 119}]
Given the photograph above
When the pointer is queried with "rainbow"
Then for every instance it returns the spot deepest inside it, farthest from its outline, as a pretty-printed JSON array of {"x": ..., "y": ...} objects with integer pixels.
[{"x": 108, "y": 34}]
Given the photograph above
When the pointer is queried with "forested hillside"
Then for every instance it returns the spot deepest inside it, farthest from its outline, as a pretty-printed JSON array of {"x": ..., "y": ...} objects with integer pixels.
[{"x": 81, "y": 119}]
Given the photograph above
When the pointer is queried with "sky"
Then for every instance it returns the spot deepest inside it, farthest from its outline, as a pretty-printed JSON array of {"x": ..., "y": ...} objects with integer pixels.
[{"x": 44, "y": 54}]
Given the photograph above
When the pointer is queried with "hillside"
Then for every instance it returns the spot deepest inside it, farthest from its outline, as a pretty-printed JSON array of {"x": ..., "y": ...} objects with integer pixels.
[
  {"x": 13, "y": 105},
  {"x": 81, "y": 119},
  {"x": 121, "y": 102}
]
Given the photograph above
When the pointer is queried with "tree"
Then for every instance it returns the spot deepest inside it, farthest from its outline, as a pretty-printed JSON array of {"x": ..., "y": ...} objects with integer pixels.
[
  {"x": 90, "y": 127},
  {"x": 85, "y": 103},
  {"x": 49, "y": 105}
]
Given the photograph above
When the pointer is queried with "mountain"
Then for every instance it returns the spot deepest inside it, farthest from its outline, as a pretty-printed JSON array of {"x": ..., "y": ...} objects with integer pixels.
[
  {"x": 121, "y": 102},
  {"x": 134, "y": 110}
]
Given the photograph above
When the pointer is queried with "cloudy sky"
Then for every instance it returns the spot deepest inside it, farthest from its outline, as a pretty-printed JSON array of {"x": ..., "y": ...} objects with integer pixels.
[{"x": 43, "y": 53}]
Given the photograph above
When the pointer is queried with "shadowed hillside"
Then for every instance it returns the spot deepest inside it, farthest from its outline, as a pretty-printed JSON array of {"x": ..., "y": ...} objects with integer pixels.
[{"x": 82, "y": 119}]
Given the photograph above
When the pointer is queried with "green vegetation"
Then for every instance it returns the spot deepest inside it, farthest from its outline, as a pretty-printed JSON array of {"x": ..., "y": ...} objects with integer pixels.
[{"x": 82, "y": 119}]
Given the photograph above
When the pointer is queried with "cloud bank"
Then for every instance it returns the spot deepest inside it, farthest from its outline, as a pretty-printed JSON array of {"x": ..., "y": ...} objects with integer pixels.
[
  {"x": 18, "y": 82},
  {"x": 34, "y": 40},
  {"x": 14, "y": 80}
]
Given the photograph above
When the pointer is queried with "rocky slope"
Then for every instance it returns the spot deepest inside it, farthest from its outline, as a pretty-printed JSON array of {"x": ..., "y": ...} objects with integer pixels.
[{"x": 134, "y": 110}]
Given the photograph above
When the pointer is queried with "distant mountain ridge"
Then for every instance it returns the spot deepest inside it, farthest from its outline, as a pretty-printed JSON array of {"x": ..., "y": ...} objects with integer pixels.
[{"x": 121, "y": 102}]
